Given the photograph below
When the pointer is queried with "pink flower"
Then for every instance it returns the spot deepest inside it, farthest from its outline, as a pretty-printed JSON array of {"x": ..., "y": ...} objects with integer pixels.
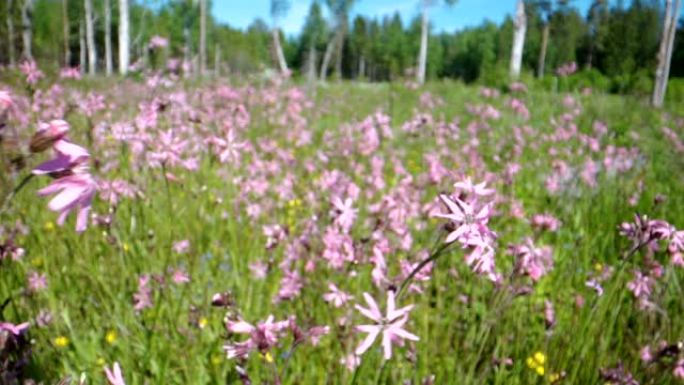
[
  {"x": 37, "y": 282},
  {"x": 180, "y": 277},
  {"x": 391, "y": 325},
  {"x": 143, "y": 297},
  {"x": 641, "y": 286},
  {"x": 158, "y": 42},
  {"x": 344, "y": 213},
  {"x": 30, "y": 69},
  {"x": 72, "y": 192},
  {"x": 679, "y": 369},
  {"x": 262, "y": 337},
  {"x": 69, "y": 156},
  {"x": 469, "y": 223},
  {"x": 14, "y": 329},
  {"x": 468, "y": 187},
  {"x": 114, "y": 376},
  {"x": 336, "y": 296},
  {"x": 181, "y": 247},
  {"x": 48, "y": 134}
]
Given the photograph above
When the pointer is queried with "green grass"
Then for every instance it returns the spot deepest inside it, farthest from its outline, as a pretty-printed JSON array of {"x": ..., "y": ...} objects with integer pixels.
[{"x": 93, "y": 276}]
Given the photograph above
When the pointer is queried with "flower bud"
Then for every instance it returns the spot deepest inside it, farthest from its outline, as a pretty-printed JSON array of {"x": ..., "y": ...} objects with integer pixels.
[{"x": 47, "y": 135}]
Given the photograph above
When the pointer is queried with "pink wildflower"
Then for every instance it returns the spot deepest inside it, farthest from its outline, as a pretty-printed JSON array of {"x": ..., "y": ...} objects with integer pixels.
[
  {"x": 390, "y": 325},
  {"x": 114, "y": 376}
]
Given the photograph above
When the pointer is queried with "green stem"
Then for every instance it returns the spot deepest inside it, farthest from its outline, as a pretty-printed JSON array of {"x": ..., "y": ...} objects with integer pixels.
[
  {"x": 433, "y": 257},
  {"x": 14, "y": 192}
]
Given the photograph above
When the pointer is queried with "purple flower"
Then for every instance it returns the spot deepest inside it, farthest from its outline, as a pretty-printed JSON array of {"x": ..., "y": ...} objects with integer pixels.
[
  {"x": 390, "y": 325},
  {"x": 262, "y": 337},
  {"x": 72, "y": 192}
]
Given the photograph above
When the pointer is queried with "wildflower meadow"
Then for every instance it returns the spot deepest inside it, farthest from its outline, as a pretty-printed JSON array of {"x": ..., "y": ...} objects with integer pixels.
[{"x": 162, "y": 230}]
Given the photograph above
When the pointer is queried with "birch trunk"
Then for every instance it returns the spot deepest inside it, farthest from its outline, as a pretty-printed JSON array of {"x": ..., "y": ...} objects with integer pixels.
[
  {"x": 520, "y": 26},
  {"x": 282, "y": 64},
  {"x": 311, "y": 65},
  {"x": 338, "y": 53},
  {"x": 326, "y": 58},
  {"x": 108, "y": 37},
  {"x": 10, "y": 33},
  {"x": 66, "y": 34},
  {"x": 664, "y": 55},
  {"x": 186, "y": 50},
  {"x": 542, "y": 55},
  {"x": 124, "y": 37},
  {"x": 90, "y": 36},
  {"x": 362, "y": 67},
  {"x": 203, "y": 38},
  {"x": 422, "y": 55},
  {"x": 27, "y": 28}
]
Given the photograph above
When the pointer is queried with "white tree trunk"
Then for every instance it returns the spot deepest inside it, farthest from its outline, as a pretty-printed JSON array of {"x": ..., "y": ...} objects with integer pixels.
[
  {"x": 82, "y": 47},
  {"x": 66, "y": 35},
  {"x": 665, "y": 52},
  {"x": 203, "y": 37},
  {"x": 311, "y": 64},
  {"x": 282, "y": 64},
  {"x": 90, "y": 36},
  {"x": 27, "y": 28},
  {"x": 326, "y": 58},
  {"x": 124, "y": 37},
  {"x": 10, "y": 33},
  {"x": 520, "y": 26},
  {"x": 108, "y": 36},
  {"x": 422, "y": 54}
]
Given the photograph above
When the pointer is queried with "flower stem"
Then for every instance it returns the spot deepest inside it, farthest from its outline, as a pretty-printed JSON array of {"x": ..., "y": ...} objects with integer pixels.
[
  {"x": 14, "y": 192},
  {"x": 433, "y": 257}
]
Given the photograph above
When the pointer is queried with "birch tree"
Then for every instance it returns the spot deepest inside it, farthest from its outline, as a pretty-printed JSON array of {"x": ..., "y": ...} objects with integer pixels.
[
  {"x": 124, "y": 37},
  {"x": 425, "y": 38},
  {"x": 108, "y": 37},
  {"x": 27, "y": 29},
  {"x": 520, "y": 29},
  {"x": 278, "y": 9},
  {"x": 665, "y": 51},
  {"x": 90, "y": 36},
  {"x": 203, "y": 37},
  {"x": 340, "y": 10}
]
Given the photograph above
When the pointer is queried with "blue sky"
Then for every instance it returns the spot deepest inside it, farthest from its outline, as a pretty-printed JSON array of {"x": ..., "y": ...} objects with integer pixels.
[{"x": 466, "y": 13}]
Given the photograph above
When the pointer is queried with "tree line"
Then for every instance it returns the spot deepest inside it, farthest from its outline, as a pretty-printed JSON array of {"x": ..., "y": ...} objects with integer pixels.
[{"x": 624, "y": 42}]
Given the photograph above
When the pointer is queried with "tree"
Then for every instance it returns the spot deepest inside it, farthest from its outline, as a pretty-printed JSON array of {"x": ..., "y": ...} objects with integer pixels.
[
  {"x": 520, "y": 28},
  {"x": 424, "y": 38},
  {"x": 203, "y": 37},
  {"x": 665, "y": 52},
  {"x": 124, "y": 37},
  {"x": 27, "y": 29},
  {"x": 546, "y": 7},
  {"x": 90, "y": 36},
  {"x": 340, "y": 11},
  {"x": 312, "y": 38},
  {"x": 108, "y": 36},
  {"x": 278, "y": 9}
]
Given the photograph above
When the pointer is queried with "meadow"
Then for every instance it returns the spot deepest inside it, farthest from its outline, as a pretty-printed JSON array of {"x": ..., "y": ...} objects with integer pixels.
[{"x": 260, "y": 231}]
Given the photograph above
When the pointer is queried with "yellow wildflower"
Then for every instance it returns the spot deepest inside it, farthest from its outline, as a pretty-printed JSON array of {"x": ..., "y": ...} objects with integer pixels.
[
  {"x": 61, "y": 341},
  {"x": 111, "y": 337}
]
